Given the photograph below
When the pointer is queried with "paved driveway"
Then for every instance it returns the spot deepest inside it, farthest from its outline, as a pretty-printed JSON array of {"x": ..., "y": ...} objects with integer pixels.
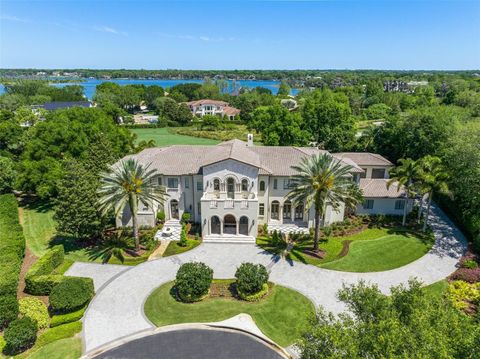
[{"x": 117, "y": 309}]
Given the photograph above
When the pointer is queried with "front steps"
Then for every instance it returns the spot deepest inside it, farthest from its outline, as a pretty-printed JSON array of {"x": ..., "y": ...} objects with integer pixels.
[{"x": 229, "y": 239}]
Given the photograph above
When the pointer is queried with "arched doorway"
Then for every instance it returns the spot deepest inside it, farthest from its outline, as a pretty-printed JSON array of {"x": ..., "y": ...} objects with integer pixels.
[
  {"x": 287, "y": 210},
  {"x": 229, "y": 224},
  {"x": 243, "y": 226},
  {"x": 215, "y": 225},
  {"x": 275, "y": 210},
  {"x": 174, "y": 208},
  {"x": 230, "y": 188}
]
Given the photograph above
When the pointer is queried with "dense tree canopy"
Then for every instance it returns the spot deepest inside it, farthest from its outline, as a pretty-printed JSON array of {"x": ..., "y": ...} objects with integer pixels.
[{"x": 65, "y": 133}]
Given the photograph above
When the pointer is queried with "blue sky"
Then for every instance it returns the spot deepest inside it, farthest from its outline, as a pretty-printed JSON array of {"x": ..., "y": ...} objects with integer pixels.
[{"x": 233, "y": 34}]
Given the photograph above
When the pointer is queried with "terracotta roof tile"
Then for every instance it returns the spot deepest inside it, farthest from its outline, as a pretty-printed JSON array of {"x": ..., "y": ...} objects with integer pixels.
[{"x": 377, "y": 187}]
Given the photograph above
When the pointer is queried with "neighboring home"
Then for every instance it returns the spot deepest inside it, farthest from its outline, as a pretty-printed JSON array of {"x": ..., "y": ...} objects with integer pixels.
[
  {"x": 201, "y": 108},
  {"x": 51, "y": 106},
  {"x": 232, "y": 188},
  {"x": 144, "y": 119},
  {"x": 289, "y": 103}
]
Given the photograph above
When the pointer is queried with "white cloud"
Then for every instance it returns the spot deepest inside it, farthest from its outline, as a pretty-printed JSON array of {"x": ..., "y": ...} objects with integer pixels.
[
  {"x": 193, "y": 37},
  {"x": 13, "y": 18},
  {"x": 109, "y": 30}
]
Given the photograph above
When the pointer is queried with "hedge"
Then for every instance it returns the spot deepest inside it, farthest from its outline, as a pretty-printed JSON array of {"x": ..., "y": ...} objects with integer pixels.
[
  {"x": 256, "y": 296},
  {"x": 71, "y": 294},
  {"x": 12, "y": 249},
  {"x": 57, "y": 333},
  {"x": 20, "y": 335},
  {"x": 34, "y": 309},
  {"x": 251, "y": 278},
  {"x": 193, "y": 281},
  {"x": 67, "y": 318},
  {"x": 39, "y": 279}
]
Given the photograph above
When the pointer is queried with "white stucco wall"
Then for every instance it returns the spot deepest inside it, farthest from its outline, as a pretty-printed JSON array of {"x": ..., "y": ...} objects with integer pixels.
[
  {"x": 383, "y": 206},
  {"x": 230, "y": 168}
]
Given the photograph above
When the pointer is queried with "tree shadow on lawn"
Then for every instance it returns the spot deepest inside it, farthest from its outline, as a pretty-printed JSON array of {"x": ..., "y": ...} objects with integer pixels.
[
  {"x": 35, "y": 204},
  {"x": 425, "y": 237}
]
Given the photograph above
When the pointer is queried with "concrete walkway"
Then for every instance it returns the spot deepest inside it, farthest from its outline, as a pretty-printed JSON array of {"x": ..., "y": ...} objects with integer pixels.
[{"x": 117, "y": 309}]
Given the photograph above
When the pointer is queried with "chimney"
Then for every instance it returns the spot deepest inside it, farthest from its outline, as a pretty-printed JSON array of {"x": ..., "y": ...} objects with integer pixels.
[{"x": 250, "y": 140}]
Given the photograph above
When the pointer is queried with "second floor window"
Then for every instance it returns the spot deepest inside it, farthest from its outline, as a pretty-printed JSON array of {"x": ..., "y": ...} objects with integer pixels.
[
  {"x": 244, "y": 185},
  {"x": 216, "y": 184},
  {"x": 399, "y": 204},
  {"x": 187, "y": 183},
  {"x": 199, "y": 186},
  {"x": 261, "y": 209},
  {"x": 287, "y": 184},
  {"x": 159, "y": 181},
  {"x": 378, "y": 173},
  {"x": 262, "y": 185},
  {"x": 275, "y": 184},
  {"x": 172, "y": 183}
]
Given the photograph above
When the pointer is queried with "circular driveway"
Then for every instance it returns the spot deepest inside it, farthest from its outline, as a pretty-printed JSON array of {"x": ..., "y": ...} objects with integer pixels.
[
  {"x": 117, "y": 309},
  {"x": 194, "y": 343}
]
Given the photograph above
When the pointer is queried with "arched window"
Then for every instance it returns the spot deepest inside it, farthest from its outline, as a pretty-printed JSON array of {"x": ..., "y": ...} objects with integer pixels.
[
  {"x": 244, "y": 184},
  {"x": 275, "y": 209},
  {"x": 216, "y": 184},
  {"x": 262, "y": 185}
]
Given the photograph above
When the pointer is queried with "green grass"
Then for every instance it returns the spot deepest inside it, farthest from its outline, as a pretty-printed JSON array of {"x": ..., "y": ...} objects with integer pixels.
[
  {"x": 437, "y": 289},
  {"x": 282, "y": 315},
  {"x": 385, "y": 253},
  {"x": 173, "y": 247},
  {"x": 373, "y": 249},
  {"x": 69, "y": 348},
  {"x": 164, "y": 137},
  {"x": 38, "y": 226}
]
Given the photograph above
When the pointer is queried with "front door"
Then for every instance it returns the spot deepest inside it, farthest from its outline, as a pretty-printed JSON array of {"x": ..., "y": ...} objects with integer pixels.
[
  {"x": 275, "y": 210},
  {"x": 287, "y": 210},
  {"x": 174, "y": 208}
]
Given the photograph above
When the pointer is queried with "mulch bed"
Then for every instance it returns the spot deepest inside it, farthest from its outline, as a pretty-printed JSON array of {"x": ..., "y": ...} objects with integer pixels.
[
  {"x": 28, "y": 261},
  {"x": 345, "y": 248}
]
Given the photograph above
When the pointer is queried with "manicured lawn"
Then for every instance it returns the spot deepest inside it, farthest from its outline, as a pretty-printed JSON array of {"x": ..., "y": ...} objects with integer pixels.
[
  {"x": 164, "y": 137},
  {"x": 380, "y": 254},
  {"x": 70, "y": 348},
  {"x": 282, "y": 315},
  {"x": 373, "y": 249},
  {"x": 173, "y": 247},
  {"x": 437, "y": 289}
]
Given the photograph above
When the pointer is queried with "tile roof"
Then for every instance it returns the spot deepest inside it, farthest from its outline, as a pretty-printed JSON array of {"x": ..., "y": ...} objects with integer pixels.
[
  {"x": 50, "y": 106},
  {"x": 186, "y": 159},
  {"x": 207, "y": 102},
  {"x": 231, "y": 111},
  {"x": 364, "y": 158},
  {"x": 377, "y": 187}
]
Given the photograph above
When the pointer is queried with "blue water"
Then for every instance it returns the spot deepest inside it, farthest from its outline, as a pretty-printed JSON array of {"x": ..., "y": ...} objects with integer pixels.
[{"x": 90, "y": 85}]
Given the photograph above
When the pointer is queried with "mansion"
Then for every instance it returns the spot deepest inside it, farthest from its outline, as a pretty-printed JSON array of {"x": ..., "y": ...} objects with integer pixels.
[
  {"x": 201, "y": 108},
  {"x": 234, "y": 187}
]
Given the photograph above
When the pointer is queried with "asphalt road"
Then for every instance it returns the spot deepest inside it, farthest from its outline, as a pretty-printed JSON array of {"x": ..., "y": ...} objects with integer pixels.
[{"x": 194, "y": 344}]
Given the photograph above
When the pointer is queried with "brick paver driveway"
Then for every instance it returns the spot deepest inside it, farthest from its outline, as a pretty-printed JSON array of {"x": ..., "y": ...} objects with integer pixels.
[{"x": 117, "y": 309}]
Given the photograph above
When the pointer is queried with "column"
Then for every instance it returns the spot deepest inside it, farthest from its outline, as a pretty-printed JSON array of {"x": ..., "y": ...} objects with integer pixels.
[
  {"x": 221, "y": 227},
  {"x": 280, "y": 213},
  {"x": 292, "y": 212},
  {"x": 237, "y": 223}
]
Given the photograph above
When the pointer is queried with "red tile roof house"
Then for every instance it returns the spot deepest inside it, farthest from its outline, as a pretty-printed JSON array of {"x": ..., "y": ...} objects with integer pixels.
[
  {"x": 201, "y": 108},
  {"x": 233, "y": 187}
]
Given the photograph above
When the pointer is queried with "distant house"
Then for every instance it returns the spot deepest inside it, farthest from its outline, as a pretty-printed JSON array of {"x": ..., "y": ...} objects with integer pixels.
[
  {"x": 144, "y": 118},
  {"x": 201, "y": 108}
]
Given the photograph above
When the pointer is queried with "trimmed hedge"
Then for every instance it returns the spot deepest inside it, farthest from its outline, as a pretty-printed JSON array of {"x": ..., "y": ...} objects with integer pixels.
[
  {"x": 256, "y": 296},
  {"x": 20, "y": 335},
  {"x": 39, "y": 279},
  {"x": 193, "y": 281},
  {"x": 34, "y": 309},
  {"x": 71, "y": 294},
  {"x": 251, "y": 278},
  {"x": 8, "y": 309},
  {"x": 57, "y": 333},
  {"x": 12, "y": 249},
  {"x": 67, "y": 318}
]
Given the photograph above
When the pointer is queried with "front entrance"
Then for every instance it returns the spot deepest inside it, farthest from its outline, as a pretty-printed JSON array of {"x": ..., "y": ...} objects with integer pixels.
[
  {"x": 229, "y": 224},
  {"x": 275, "y": 209},
  {"x": 215, "y": 225},
  {"x": 243, "y": 226},
  {"x": 174, "y": 209}
]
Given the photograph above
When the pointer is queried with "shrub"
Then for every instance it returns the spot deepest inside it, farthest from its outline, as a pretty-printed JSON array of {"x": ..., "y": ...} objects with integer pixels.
[
  {"x": 250, "y": 278},
  {"x": 71, "y": 294},
  {"x": 34, "y": 309},
  {"x": 470, "y": 264},
  {"x": 462, "y": 293},
  {"x": 39, "y": 279},
  {"x": 161, "y": 216},
  {"x": 20, "y": 335},
  {"x": 193, "y": 281},
  {"x": 57, "y": 333},
  {"x": 186, "y": 217},
  {"x": 2, "y": 343},
  {"x": 183, "y": 237},
  {"x": 256, "y": 296},
  {"x": 67, "y": 318},
  {"x": 467, "y": 275},
  {"x": 8, "y": 309}
]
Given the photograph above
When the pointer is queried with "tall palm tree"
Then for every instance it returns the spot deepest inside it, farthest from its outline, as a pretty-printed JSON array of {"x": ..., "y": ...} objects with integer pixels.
[
  {"x": 128, "y": 184},
  {"x": 405, "y": 175},
  {"x": 320, "y": 180},
  {"x": 433, "y": 178}
]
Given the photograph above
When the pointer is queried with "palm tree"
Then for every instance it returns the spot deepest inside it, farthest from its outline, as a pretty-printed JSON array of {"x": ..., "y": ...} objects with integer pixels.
[
  {"x": 433, "y": 178},
  {"x": 354, "y": 198},
  {"x": 320, "y": 180},
  {"x": 129, "y": 183},
  {"x": 405, "y": 175}
]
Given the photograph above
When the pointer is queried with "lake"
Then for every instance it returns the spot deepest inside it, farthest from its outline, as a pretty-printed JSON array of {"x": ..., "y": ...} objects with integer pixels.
[{"x": 90, "y": 85}]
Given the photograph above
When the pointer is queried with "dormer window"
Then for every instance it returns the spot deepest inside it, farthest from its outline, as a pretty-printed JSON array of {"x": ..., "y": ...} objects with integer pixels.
[
  {"x": 216, "y": 184},
  {"x": 244, "y": 184}
]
